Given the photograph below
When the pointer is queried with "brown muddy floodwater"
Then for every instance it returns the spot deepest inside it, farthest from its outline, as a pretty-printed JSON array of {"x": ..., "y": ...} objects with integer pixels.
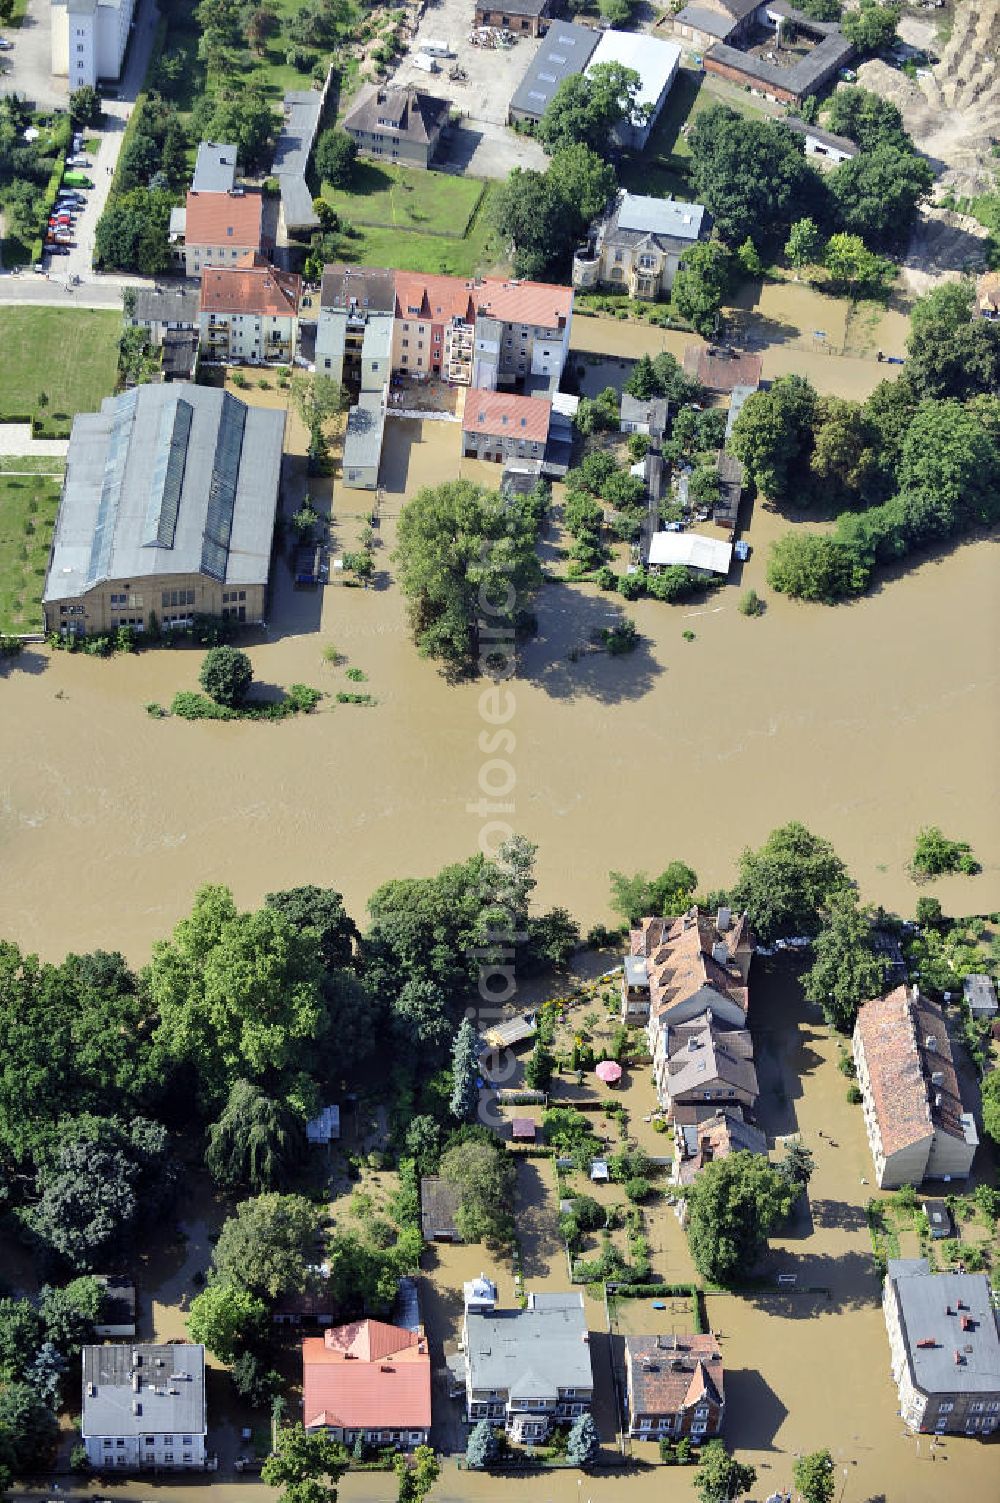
[{"x": 865, "y": 721}]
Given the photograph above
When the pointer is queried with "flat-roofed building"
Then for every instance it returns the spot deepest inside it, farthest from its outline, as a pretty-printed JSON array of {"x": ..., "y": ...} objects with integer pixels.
[
  {"x": 529, "y": 1369},
  {"x": 363, "y": 441},
  {"x": 214, "y": 168},
  {"x": 918, "y": 1126},
  {"x": 944, "y": 1347},
  {"x": 167, "y": 509},
  {"x": 655, "y": 62},
  {"x": 144, "y": 1407},
  {"x": 89, "y": 38}
]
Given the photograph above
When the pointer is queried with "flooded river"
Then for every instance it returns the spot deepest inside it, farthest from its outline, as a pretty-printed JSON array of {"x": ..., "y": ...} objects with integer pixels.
[{"x": 865, "y": 721}]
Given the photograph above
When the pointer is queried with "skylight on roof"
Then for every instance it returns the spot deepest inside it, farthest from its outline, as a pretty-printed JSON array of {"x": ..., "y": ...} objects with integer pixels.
[{"x": 167, "y": 475}]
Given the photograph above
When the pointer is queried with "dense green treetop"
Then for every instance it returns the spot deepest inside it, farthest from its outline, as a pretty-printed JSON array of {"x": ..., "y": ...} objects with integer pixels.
[
  {"x": 268, "y": 1245},
  {"x": 846, "y": 970},
  {"x": 733, "y": 1205},
  {"x": 784, "y": 885},
  {"x": 586, "y": 107},
  {"x": 751, "y": 173}
]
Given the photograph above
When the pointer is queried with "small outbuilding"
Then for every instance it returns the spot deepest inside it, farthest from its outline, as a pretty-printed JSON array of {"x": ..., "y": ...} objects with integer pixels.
[
  {"x": 439, "y": 1202},
  {"x": 325, "y": 1128},
  {"x": 939, "y": 1218},
  {"x": 523, "y": 1130},
  {"x": 692, "y": 550},
  {"x": 599, "y": 1172},
  {"x": 981, "y": 995}
]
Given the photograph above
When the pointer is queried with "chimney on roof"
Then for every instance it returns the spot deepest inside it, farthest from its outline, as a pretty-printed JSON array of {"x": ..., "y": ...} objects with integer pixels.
[
  {"x": 723, "y": 919},
  {"x": 930, "y": 1043},
  {"x": 937, "y": 1098},
  {"x": 720, "y": 953},
  {"x": 915, "y": 992},
  {"x": 959, "y": 1359}
]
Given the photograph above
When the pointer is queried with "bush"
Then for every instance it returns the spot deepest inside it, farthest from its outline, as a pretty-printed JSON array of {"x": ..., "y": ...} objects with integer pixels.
[
  {"x": 226, "y": 675},
  {"x": 854, "y": 1095},
  {"x": 750, "y": 604},
  {"x": 934, "y": 855},
  {"x": 621, "y": 638},
  {"x": 638, "y": 1189}
]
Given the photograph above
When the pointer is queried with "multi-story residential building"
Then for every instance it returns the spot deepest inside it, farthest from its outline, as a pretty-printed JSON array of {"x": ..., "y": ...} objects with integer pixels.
[
  {"x": 639, "y": 244},
  {"x": 481, "y": 333},
  {"x": 250, "y": 312},
  {"x": 528, "y": 1369},
  {"x": 167, "y": 509},
  {"x": 674, "y": 1387},
  {"x": 218, "y": 229},
  {"x": 354, "y": 331},
  {"x": 160, "y": 310},
  {"x": 945, "y": 1348},
  {"x": 89, "y": 38},
  {"x": 704, "y": 1133},
  {"x": 677, "y": 968},
  {"x": 368, "y": 1378},
  {"x": 699, "y": 1062},
  {"x": 499, "y": 426},
  {"x": 918, "y": 1127},
  {"x": 144, "y": 1407},
  {"x": 397, "y": 125}
]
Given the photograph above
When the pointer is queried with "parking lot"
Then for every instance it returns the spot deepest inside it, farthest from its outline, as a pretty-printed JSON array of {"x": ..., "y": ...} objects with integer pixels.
[
  {"x": 482, "y": 145},
  {"x": 29, "y": 62}
]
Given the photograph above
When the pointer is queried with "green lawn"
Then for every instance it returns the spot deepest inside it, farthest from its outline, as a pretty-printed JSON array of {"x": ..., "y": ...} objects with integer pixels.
[
  {"x": 70, "y": 354},
  {"x": 411, "y": 250},
  {"x": 405, "y": 198},
  {"x": 28, "y": 507}
]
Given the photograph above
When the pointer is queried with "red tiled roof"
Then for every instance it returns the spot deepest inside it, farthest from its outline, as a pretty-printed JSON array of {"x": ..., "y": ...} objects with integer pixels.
[
  {"x": 503, "y": 415},
  {"x": 680, "y": 961},
  {"x": 224, "y": 219},
  {"x": 721, "y": 373},
  {"x": 367, "y": 1376},
  {"x": 670, "y": 1373},
  {"x": 442, "y": 298},
  {"x": 252, "y": 285},
  {"x": 905, "y": 1041}
]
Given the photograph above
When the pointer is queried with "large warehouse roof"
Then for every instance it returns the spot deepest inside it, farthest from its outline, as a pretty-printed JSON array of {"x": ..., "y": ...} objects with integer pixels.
[
  {"x": 564, "y": 51},
  {"x": 692, "y": 549},
  {"x": 167, "y": 479}
]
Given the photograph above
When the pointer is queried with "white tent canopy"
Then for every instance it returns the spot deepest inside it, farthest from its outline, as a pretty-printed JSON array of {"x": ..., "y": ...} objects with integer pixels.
[{"x": 692, "y": 549}]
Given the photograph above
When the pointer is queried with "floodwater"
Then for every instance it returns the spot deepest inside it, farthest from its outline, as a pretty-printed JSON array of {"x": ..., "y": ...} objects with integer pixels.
[{"x": 865, "y": 721}]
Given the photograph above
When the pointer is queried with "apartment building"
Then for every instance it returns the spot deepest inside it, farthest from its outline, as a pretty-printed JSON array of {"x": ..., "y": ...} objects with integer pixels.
[
  {"x": 677, "y": 968},
  {"x": 500, "y": 426},
  {"x": 674, "y": 1387},
  {"x": 144, "y": 1407},
  {"x": 218, "y": 229},
  {"x": 944, "y": 1348},
  {"x": 397, "y": 125},
  {"x": 167, "y": 509},
  {"x": 698, "y": 1062},
  {"x": 917, "y": 1124},
  {"x": 89, "y": 38},
  {"x": 369, "y": 1379},
  {"x": 528, "y": 1369},
  {"x": 249, "y": 312}
]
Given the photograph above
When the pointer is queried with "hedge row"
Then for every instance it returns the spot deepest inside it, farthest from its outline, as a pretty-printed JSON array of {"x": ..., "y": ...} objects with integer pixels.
[
  {"x": 666, "y": 1291},
  {"x": 62, "y": 136}
]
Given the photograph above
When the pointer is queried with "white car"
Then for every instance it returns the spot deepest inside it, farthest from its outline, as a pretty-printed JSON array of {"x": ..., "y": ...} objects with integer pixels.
[{"x": 5, "y": 45}]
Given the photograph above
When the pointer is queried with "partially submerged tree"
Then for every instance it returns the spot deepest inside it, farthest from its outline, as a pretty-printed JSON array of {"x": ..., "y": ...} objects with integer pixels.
[
  {"x": 734, "y": 1204},
  {"x": 846, "y": 969},
  {"x": 465, "y": 1071}
]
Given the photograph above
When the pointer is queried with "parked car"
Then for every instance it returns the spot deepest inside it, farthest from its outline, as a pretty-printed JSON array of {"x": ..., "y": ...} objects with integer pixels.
[
  {"x": 74, "y": 179},
  {"x": 83, "y": 163},
  {"x": 58, "y": 250},
  {"x": 250, "y": 1463},
  {"x": 5, "y": 45}
]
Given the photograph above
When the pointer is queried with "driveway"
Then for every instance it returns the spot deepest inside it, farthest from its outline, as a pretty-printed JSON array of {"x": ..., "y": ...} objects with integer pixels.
[{"x": 30, "y": 63}]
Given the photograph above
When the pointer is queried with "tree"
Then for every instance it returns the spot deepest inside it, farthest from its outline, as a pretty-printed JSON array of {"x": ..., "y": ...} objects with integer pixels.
[
  {"x": 875, "y": 194},
  {"x": 751, "y": 173},
  {"x": 700, "y": 284},
  {"x": 226, "y": 675},
  {"x": 866, "y": 118},
  {"x": 749, "y": 259},
  {"x": 815, "y": 1477},
  {"x": 247, "y": 119},
  {"x": 582, "y": 179},
  {"x": 421, "y": 1017},
  {"x": 786, "y": 884},
  {"x": 804, "y": 246},
  {"x": 227, "y": 1318},
  {"x": 553, "y": 939},
  {"x": 813, "y": 567},
  {"x": 45, "y": 1372},
  {"x": 483, "y": 1173},
  {"x": 482, "y": 1447},
  {"x": 254, "y": 1381},
  {"x": 641, "y": 896},
  {"x": 336, "y": 154},
  {"x": 872, "y": 26},
  {"x": 465, "y": 1071},
  {"x": 464, "y": 552},
  {"x": 586, "y": 107},
  {"x": 991, "y": 1105},
  {"x": 84, "y": 107},
  {"x": 132, "y": 232},
  {"x": 70, "y": 1313},
  {"x": 415, "y": 1481},
  {"x": 934, "y": 855},
  {"x": 822, "y": 10},
  {"x": 846, "y": 969},
  {"x": 256, "y": 1142},
  {"x": 268, "y": 1245},
  {"x": 28, "y": 1428},
  {"x": 538, "y": 1070},
  {"x": 662, "y": 376},
  {"x": 846, "y": 451},
  {"x": 720, "y": 1477},
  {"x": 773, "y": 434},
  {"x": 240, "y": 997},
  {"x": 797, "y": 1165},
  {"x": 544, "y": 213},
  {"x": 307, "y": 1467},
  {"x": 949, "y": 454},
  {"x": 322, "y": 910},
  {"x": 851, "y": 264},
  {"x": 20, "y": 1337},
  {"x": 423, "y": 1143},
  {"x": 583, "y": 1443}
]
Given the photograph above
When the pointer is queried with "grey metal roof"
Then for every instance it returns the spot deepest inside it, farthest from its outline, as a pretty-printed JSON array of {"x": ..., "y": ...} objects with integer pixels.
[
  {"x": 961, "y": 1360},
  {"x": 214, "y": 168},
  {"x": 980, "y": 993},
  {"x": 737, "y": 397},
  {"x": 824, "y": 137},
  {"x": 406, "y": 1311},
  {"x": 637, "y": 410},
  {"x": 365, "y": 430},
  {"x": 566, "y": 49},
  {"x": 660, "y": 216},
  {"x": 191, "y": 461},
  {"x": 143, "y": 1390},
  {"x": 803, "y": 76},
  {"x": 296, "y": 203},
  {"x": 514, "y": 7},
  {"x": 167, "y": 305},
  {"x": 535, "y": 1351},
  {"x": 709, "y": 21},
  {"x": 303, "y": 110}
]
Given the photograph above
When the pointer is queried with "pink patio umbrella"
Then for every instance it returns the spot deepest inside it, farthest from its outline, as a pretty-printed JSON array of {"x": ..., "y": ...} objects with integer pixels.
[{"x": 608, "y": 1071}]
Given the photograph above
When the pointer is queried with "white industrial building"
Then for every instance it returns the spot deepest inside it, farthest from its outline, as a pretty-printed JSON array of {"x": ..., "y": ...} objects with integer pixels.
[
  {"x": 656, "y": 64},
  {"x": 89, "y": 38}
]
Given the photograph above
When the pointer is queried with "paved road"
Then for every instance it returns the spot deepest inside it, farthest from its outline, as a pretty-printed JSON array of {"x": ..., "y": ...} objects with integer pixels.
[
  {"x": 28, "y": 289},
  {"x": 30, "y": 63},
  {"x": 16, "y": 439}
]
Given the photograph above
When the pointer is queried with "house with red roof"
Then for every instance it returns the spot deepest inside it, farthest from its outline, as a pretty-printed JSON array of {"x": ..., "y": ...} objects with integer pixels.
[
  {"x": 674, "y": 1387},
  {"x": 498, "y": 426},
  {"x": 368, "y": 1378},
  {"x": 249, "y": 311},
  {"x": 220, "y": 228}
]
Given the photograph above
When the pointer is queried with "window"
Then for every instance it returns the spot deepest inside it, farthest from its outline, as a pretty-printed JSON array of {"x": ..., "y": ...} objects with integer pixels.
[
  {"x": 946, "y": 1406},
  {"x": 406, "y": 344},
  {"x": 120, "y": 1444},
  {"x": 106, "y": 1444},
  {"x": 150, "y": 1440}
]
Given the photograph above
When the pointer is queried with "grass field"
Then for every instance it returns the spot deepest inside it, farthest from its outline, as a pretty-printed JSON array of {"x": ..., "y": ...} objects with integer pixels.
[
  {"x": 70, "y": 354},
  {"x": 404, "y": 198},
  {"x": 28, "y": 506},
  {"x": 426, "y": 250}
]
